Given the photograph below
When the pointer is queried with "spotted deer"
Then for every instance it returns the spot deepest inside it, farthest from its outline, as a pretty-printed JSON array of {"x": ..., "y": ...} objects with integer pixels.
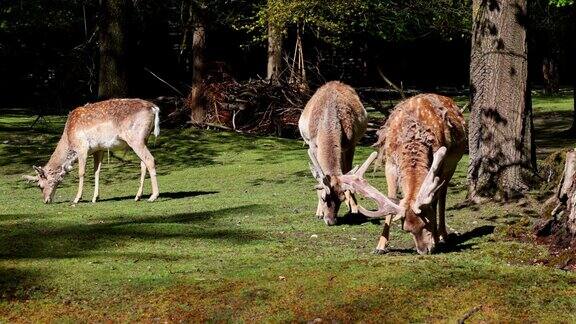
[
  {"x": 332, "y": 123},
  {"x": 93, "y": 129},
  {"x": 420, "y": 145}
]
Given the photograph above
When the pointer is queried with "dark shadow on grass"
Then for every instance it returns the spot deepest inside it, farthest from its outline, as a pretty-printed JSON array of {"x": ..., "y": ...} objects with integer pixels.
[
  {"x": 18, "y": 284},
  {"x": 455, "y": 242},
  {"x": 166, "y": 195},
  {"x": 39, "y": 240},
  {"x": 356, "y": 219},
  {"x": 22, "y": 147}
]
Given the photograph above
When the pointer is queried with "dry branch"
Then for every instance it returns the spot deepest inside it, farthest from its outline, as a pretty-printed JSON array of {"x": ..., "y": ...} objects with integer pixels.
[{"x": 255, "y": 106}]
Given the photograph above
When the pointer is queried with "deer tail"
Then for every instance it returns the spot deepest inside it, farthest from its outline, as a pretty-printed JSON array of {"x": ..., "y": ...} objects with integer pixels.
[{"x": 156, "y": 112}]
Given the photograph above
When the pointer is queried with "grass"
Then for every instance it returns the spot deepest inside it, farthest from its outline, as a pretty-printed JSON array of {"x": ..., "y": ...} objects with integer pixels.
[{"x": 233, "y": 238}]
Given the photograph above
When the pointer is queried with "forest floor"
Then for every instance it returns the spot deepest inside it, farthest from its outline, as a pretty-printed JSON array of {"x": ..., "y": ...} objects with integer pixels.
[{"x": 233, "y": 238}]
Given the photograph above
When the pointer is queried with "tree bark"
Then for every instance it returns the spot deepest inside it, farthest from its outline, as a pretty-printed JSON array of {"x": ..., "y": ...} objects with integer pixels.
[
  {"x": 114, "y": 48},
  {"x": 550, "y": 75},
  {"x": 198, "y": 110},
  {"x": 502, "y": 155},
  {"x": 274, "y": 53},
  {"x": 560, "y": 209},
  {"x": 572, "y": 130}
]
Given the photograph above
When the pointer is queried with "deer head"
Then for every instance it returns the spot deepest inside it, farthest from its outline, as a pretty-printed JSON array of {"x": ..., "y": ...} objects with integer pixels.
[
  {"x": 46, "y": 180},
  {"x": 329, "y": 191},
  {"x": 418, "y": 215}
]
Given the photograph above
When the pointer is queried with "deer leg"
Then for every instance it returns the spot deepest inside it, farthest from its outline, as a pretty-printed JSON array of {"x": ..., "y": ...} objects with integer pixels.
[
  {"x": 81, "y": 170},
  {"x": 319, "y": 209},
  {"x": 142, "y": 177},
  {"x": 347, "y": 160},
  {"x": 351, "y": 202},
  {"x": 392, "y": 183},
  {"x": 98, "y": 155},
  {"x": 442, "y": 214},
  {"x": 146, "y": 157}
]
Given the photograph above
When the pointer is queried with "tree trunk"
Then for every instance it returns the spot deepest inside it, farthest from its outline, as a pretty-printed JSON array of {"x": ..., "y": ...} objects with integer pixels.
[
  {"x": 114, "y": 48},
  {"x": 502, "y": 156},
  {"x": 550, "y": 75},
  {"x": 198, "y": 110},
  {"x": 274, "y": 53},
  {"x": 560, "y": 209},
  {"x": 572, "y": 130}
]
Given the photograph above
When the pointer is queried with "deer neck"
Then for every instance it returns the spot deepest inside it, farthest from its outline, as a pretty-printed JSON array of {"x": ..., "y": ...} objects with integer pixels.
[
  {"x": 414, "y": 166},
  {"x": 329, "y": 153},
  {"x": 63, "y": 157}
]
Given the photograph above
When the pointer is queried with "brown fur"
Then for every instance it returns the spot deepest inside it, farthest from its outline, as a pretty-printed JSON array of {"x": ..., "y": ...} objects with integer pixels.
[
  {"x": 332, "y": 123},
  {"x": 96, "y": 127},
  {"x": 416, "y": 129}
]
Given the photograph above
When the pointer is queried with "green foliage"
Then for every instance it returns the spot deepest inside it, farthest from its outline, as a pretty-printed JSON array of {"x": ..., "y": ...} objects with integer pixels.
[
  {"x": 562, "y": 3},
  {"x": 340, "y": 22}
]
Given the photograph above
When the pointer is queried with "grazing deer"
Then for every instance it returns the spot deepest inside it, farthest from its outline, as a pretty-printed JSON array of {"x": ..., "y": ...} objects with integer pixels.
[
  {"x": 332, "y": 123},
  {"x": 420, "y": 144},
  {"x": 94, "y": 128}
]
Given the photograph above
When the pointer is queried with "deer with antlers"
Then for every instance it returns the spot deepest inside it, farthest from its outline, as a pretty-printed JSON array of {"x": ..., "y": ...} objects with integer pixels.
[
  {"x": 420, "y": 145},
  {"x": 93, "y": 129},
  {"x": 332, "y": 123}
]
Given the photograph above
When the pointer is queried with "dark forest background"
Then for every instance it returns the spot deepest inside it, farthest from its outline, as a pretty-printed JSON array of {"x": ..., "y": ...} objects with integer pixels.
[{"x": 49, "y": 49}]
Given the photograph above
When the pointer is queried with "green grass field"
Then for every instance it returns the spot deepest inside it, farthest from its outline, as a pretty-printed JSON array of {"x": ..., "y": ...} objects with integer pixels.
[{"x": 233, "y": 237}]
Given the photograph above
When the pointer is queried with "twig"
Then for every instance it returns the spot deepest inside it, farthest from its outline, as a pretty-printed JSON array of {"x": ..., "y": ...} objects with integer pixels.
[
  {"x": 390, "y": 83},
  {"x": 469, "y": 314},
  {"x": 163, "y": 81}
]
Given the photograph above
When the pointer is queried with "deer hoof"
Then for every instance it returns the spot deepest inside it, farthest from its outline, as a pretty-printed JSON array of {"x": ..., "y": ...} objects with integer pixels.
[
  {"x": 152, "y": 198},
  {"x": 76, "y": 200},
  {"x": 379, "y": 251},
  {"x": 94, "y": 200},
  {"x": 137, "y": 198}
]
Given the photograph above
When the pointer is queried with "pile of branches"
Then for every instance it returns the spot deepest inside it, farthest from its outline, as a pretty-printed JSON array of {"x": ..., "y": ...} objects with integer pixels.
[{"x": 254, "y": 106}]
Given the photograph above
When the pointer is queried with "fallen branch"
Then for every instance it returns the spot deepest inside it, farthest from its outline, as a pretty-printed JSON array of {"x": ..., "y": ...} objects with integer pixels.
[
  {"x": 390, "y": 83},
  {"x": 164, "y": 81},
  {"x": 469, "y": 314},
  {"x": 254, "y": 106}
]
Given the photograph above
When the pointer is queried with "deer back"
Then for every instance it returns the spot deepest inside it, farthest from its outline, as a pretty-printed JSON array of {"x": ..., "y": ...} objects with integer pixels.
[
  {"x": 107, "y": 123},
  {"x": 332, "y": 123},
  {"x": 417, "y": 128}
]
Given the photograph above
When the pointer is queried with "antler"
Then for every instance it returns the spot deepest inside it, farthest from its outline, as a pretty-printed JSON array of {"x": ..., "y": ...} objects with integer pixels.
[
  {"x": 355, "y": 180},
  {"x": 431, "y": 183}
]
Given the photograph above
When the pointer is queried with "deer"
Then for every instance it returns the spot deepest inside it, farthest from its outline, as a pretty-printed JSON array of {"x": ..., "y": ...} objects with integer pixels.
[
  {"x": 331, "y": 124},
  {"x": 420, "y": 145},
  {"x": 91, "y": 130}
]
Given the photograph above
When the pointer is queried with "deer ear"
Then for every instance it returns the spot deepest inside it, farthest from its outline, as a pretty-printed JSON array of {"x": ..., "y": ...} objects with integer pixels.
[{"x": 39, "y": 171}]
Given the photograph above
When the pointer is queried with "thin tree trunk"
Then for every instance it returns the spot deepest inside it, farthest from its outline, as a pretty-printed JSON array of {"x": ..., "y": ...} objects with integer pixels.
[
  {"x": 502, "y": 156},
  {"x": 198, "y": 110},
  {"x": 274, "y": 53},
  {"x": 572, "y": 130},
  {"x": 550, "y": 75},
  {"x": 114, "y": 48}
]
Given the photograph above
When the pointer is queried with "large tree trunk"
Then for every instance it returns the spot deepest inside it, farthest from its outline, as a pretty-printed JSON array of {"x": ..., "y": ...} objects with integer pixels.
[
  {"x": 274, "y": 53},
  {"x": 114, "y": 48},
  {"x": 502, "y": 156},
  {"x": 198, "y": 110}
]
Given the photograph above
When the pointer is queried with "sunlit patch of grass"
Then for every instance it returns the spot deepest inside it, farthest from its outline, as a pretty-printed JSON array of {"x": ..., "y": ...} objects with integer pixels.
[{"x": 233, "y": 238}]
